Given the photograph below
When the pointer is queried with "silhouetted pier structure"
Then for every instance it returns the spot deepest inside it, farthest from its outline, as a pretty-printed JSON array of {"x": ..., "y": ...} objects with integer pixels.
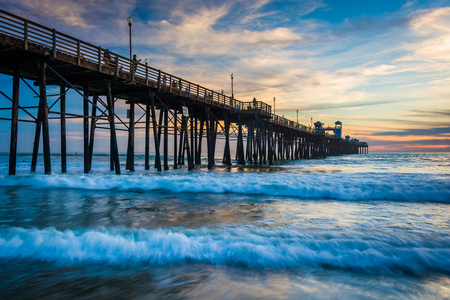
[{"x": 193, "y": 115}]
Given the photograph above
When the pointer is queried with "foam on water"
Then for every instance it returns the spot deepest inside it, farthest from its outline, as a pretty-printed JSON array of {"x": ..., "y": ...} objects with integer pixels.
[
  {"x": 378, "y": 186},
  {"x": 249, "y": 247}
]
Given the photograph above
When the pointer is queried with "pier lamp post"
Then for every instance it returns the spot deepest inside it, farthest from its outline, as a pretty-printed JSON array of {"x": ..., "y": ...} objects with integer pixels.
[
  {"x": 130, "y": 22},
  {"x": 232, "y": 93},
  {"x": 273, "y": 105},
  {"x": 146, "y": 61},
  {"x": 297, "y": 116}
]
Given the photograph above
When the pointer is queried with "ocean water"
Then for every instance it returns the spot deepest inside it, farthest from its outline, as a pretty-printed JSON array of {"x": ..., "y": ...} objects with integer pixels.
[{"x": 368, "y": 226}]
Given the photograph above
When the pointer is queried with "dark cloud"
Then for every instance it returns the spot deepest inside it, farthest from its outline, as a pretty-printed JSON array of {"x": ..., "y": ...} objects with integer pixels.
[
  {"x": 416, "y": 132},
  {"x": 432, "y": 113},
  {"x": 347, "y": 105},
  {"x": 418, "y": 143}
]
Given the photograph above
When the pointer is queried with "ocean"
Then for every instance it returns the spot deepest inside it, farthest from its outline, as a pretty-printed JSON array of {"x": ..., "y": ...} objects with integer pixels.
[{"x": 367, "y": 226}]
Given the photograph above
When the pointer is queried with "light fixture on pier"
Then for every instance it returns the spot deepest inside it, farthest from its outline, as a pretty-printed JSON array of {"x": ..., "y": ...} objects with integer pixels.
[
  {"x": 273, "y": 105},
  {"x": 130, "y": 22},
  {"x": 146, "y": 61},
  {"x": 232, "y": 93}
]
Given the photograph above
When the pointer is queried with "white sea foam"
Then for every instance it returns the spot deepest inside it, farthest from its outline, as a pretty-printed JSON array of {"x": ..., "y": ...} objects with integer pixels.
[
  {"x": 249, "y": 247},
  {"x": 397, "y": 187}
]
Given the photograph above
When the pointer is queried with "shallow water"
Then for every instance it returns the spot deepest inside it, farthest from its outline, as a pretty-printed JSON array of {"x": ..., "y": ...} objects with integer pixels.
[{"x": 360, "y": 226}]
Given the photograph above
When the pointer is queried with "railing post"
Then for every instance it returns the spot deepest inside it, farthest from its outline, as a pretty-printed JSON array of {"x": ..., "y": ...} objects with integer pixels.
[
  {"x": 159, "y": 80},
  {"x": 179, "y": 85},
  {"x": 99, "y": 67},
  {"x": 25, "y": 34},
  {"x": 54, "y": 43},
  {"x": 117, "y": 65},
  {"x": 78, "y": 52},
  {"x": 198, "y": 92}
]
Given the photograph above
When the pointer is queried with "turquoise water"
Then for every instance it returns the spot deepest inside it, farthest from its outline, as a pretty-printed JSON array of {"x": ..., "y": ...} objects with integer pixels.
[{"x": 360, "y": 226}]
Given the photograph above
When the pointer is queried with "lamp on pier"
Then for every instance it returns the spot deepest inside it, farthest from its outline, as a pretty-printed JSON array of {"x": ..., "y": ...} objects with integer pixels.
[
  {"x": 130, "y": 22},
  {"x": 232, "y": 93},
  {"x": 273, "y": 105},
  {"x": 146, "y": 61}
]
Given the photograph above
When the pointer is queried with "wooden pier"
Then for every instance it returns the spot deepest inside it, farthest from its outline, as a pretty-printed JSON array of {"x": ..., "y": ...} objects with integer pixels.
[{"x": 194, "y": 116}]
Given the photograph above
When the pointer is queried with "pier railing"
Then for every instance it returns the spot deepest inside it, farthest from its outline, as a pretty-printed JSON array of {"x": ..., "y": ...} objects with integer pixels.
[{"x": 62, "y": 46}]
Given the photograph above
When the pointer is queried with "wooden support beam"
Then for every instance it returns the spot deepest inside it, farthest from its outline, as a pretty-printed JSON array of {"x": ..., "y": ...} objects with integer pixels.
[
  {"x": 14, "y": 121},
  {"x": 161, "y": 118},
  {"x": 175, "y": 141},
  {"x": 270, "y": 143},
  {"x": 240, "y": 144},
  {"x": 147, "y": 135},
  {"x": 91, "y": 135},
  {"x": 214, "y": 140},
  {"x": 195, "y": 141},
  {"x": 258, "y": 151},
  {"x": 198, "y": 154},
  {"x": 166, "y": 139},
  {"x": 227, "y": 152},
  {"x": 62, "y": 102},
  {"x": 130, "y": 148},
  {"x": 37, "y": 137},
  {"x": 187, "y": 146},
  {"x": 192, "y": 150},
  {"x": 181, "y": 149},
  {"x": 113, "y": 138},
  {"x": 86, "y": 125},
  {"x": 43, "y": 108},
  {"x": 155, "y": 131},
  {"x": 209, "y": 136}
]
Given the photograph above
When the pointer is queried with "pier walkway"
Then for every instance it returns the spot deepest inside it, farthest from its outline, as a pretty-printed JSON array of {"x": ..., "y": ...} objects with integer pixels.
[{"x": 160, "y": 103}]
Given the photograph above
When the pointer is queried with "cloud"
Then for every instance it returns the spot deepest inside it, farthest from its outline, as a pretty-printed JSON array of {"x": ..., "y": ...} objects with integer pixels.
[
  {"x": 193, "y": 35},
  {"x": 416, "y": 132},
  {"x": 98, "y": 21},
  {"x": 431, "y": 28},
  {"x": 432, "y": 113}
]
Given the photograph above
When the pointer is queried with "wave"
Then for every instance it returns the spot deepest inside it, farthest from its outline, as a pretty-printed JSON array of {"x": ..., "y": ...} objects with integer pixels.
[
  {"x": 248, "y": 247},
  {"x": 396, "y": 187}
]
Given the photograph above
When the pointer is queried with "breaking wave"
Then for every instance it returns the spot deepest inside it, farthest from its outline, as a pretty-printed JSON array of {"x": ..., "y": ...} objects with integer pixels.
[
  {"x": 368, "y": 186},
  {"x": 247, "y": 247}
]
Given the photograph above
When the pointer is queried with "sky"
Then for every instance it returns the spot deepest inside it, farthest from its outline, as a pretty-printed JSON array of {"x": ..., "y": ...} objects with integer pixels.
[{"x": 382, "y": 68}]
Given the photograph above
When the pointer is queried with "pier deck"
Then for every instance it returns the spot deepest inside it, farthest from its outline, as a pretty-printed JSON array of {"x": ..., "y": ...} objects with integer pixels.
[{"x": 171, "y": 105}]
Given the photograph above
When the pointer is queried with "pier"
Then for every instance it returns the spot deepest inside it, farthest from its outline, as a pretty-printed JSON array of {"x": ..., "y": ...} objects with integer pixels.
[{"x": 165, "y": 106}]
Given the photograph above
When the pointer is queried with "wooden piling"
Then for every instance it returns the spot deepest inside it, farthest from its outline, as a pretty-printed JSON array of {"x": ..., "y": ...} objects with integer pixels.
[
  {"x": 112, "y": 127},
  {"x": 62, "y": 102},
  {"x": 240, "y": 144},
  {"x": 86, "y": 126},
  {"x": 14, "y": 121},
  {"x": 91, "y": 136},
  {"x": 147, "y": 136},
  {"x": 130, "y": 148},
  {"x": 227, "y": 152},
  {"x": 43, "y": 108},
  {"x": 198, "y": 154},
  {"x": 155, "y": 131},
  {"x": 166, "y": 139},
  {"x": 175, "y": 133}
]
